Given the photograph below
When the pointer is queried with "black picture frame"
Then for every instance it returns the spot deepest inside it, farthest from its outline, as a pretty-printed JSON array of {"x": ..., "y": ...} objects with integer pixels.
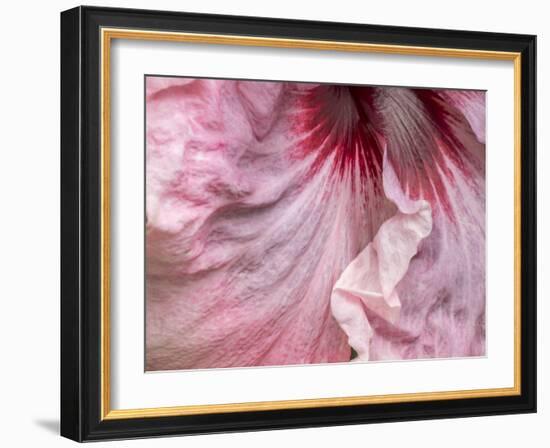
[{"x": 81, "y": 224}]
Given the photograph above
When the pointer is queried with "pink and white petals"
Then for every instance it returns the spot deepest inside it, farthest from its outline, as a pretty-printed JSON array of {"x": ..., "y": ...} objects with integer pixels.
[
  {"x": 472, "y": 104},
  {"x": 278, "y": 232},
  {"x": 443, "y": 292},
  {"x": 367, "y": 287},
  {"x": 239, "y": 248}
]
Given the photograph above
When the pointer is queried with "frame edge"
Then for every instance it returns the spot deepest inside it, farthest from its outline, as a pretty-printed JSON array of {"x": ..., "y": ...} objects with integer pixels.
[
  {"x": 529, "y": 222},
  {"x": 71, "y": 378},
  {"x": 79, "y": 419}
]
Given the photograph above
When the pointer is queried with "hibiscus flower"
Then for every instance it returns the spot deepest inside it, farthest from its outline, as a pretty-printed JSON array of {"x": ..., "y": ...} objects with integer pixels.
[{"x": 296, "y": 223}]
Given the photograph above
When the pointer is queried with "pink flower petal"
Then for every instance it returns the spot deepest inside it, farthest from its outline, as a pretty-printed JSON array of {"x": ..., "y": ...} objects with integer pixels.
[
  {"x": 368, "y": 284},
  {"x": 472, "y": 104},
  {"x": 442, "y": 294},
  {"x": 157, "y": 84},
  {"x": 260, "y": 195},
  {"x": 240, "y": 254}
]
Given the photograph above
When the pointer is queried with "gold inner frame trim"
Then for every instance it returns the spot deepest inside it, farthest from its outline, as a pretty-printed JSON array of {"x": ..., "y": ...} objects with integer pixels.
[{"x": 107, "y": 35}]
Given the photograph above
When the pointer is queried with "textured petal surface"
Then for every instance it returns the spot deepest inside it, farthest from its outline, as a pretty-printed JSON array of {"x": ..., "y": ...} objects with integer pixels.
[
  {"x": 240, "y": 258},
  {"x": 368, "y": 285},
  {"x": 260, "y": 196},
  {"x": 472, "y": 104},
  {"x": 443, "y": 292}
]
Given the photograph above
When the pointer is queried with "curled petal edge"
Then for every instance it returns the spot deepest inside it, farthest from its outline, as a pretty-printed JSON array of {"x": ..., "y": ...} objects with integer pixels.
[{"x": 368, "y": 284}]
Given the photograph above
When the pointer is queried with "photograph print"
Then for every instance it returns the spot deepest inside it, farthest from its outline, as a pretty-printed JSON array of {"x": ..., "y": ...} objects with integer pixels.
[{"x": 292, "y": 223}]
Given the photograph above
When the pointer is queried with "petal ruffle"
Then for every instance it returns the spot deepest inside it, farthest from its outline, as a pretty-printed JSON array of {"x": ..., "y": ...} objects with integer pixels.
[
  {"x": 368, "y": 284},
  {"x": 243, "y": 248},
  {"x": 260, "y": 196},
  {"x": 440, "y": 159}
]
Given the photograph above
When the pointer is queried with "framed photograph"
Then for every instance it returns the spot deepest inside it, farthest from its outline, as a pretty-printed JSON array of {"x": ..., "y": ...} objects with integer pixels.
[{"x": 273, "y": 223}]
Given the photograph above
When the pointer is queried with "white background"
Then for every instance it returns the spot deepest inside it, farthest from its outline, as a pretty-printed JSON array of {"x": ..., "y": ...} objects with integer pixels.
[
  {"x": 29, "y": 186},
  {"x": 132, "y": 388}
]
